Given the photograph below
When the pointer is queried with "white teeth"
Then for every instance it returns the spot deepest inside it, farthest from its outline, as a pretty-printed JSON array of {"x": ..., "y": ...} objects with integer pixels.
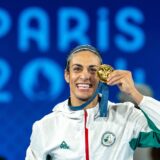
[{"x": 83, "y": 86}]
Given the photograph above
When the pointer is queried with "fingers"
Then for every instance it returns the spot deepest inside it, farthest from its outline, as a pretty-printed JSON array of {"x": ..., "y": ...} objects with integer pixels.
[
  {"x": 123, "y": 79},
  {"x": 118, "y": 77},
  {"x": 115, "y": 81}
]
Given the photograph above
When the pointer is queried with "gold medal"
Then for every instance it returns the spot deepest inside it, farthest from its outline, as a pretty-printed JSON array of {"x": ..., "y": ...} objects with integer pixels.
[{"x": 103, "y": 72}]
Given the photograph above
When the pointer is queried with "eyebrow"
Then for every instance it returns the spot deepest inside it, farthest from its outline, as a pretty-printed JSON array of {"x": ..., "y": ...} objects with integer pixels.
[
  {"x": 77, "y": 65},
  {"x": 82, "y": 66},
  {"x": 93, "y": 66}
]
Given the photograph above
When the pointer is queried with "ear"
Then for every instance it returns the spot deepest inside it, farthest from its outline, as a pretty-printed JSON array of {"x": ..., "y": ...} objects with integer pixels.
[{"x": 66, "y": 76}]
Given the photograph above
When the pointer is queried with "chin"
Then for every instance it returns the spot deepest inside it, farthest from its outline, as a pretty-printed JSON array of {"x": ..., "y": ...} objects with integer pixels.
[{"x": 84, "y": 98}]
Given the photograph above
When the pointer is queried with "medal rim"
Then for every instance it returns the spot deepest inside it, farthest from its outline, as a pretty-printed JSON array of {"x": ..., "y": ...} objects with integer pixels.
[{"x": 109, "y": 67}]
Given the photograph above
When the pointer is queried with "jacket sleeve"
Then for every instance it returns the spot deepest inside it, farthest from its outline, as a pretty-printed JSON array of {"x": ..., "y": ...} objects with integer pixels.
[
  {"x": 35, "y": 149},
  {"x": 147, "y": 128}
]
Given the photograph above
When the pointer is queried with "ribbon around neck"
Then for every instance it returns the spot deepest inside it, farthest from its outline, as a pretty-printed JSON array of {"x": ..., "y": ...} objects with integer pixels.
[{"x": 103, "y": 104}]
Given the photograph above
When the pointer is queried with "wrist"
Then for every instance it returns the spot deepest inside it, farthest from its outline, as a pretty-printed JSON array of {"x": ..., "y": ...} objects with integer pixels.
[{"x": 136, "y": 96}]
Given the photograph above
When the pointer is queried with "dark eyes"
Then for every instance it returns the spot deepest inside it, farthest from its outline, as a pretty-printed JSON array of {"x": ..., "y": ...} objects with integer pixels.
[
  {"x": 91, "y": 70},
  {"x": 77, "y": 69}
]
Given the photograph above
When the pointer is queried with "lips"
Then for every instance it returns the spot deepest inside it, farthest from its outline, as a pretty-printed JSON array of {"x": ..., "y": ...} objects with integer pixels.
[{"x": 83, "y": 86}]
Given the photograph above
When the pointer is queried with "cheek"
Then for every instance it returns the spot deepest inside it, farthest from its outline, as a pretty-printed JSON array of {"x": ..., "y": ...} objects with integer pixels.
[
  {"x": 95, "y": 79},
  {"x": 71, "y": 81},
  {"x": 73, "y": 77}
]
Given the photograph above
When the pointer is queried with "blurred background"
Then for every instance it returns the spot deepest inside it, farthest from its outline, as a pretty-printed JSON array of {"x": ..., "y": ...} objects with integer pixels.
[{"x": 37, "y": 35}]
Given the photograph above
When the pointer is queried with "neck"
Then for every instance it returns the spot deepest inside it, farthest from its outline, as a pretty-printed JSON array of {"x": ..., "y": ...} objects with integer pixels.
[{"x": 78, "y": 103}]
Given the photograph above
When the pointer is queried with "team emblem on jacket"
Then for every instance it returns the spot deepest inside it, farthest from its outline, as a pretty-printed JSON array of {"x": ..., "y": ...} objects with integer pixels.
[{"x": 108, "y": 139}]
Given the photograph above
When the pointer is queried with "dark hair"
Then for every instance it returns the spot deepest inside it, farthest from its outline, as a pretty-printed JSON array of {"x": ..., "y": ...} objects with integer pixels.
[{"x": 82, "y": 48}]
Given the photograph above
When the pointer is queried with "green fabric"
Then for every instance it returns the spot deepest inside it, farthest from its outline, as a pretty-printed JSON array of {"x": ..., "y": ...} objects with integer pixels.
[{"x": 147, "y": 139}]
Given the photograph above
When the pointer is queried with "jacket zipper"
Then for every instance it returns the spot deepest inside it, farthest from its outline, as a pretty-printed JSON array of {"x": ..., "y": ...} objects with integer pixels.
[{"x": 86, "y": 136}]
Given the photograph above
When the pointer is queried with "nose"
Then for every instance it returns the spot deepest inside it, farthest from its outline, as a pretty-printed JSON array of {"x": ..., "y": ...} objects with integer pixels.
[{"x": 85, "y": 75}]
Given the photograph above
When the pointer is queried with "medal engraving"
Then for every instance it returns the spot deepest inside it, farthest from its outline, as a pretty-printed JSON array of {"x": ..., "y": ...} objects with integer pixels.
[{"x": 103, "y": 72}]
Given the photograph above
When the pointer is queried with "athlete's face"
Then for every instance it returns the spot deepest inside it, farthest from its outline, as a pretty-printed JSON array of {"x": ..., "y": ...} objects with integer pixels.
[{"x": 82, "y": 76}]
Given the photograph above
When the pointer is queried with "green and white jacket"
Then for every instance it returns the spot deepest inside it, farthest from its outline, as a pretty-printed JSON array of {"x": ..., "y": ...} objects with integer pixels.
[{"x": 83, "y": 135}]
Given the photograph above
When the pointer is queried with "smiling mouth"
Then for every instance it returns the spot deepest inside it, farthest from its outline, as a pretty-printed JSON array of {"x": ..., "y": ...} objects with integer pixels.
[{"x": 83, "y": 86}]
